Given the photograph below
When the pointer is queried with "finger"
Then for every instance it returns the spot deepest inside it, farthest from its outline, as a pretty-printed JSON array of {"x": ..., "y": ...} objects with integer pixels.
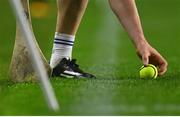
[
  {"x": 145, "y": 60},
  {"x": 162, "y": 68},
  {"x": 162, "y": 72},
  {"x": 160, "y": 62}
]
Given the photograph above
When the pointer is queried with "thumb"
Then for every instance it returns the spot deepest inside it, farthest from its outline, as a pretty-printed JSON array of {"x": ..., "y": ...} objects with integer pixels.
[{"x": 145, "y": 60}]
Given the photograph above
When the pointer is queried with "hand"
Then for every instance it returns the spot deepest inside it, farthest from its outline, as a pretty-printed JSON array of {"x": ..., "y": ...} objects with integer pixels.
[{"x": 149, "y": 55}]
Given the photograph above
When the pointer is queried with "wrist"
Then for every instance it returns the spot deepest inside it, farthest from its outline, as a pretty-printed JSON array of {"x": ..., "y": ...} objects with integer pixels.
[
  {"x": 141, "y": 45},
  {"x": 140, "y": 42}
]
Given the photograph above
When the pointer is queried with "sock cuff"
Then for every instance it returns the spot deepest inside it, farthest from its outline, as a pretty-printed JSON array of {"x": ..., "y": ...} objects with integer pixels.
[
  {"x": 64, "y": 36},
  {"x": 63, "y": 40}
]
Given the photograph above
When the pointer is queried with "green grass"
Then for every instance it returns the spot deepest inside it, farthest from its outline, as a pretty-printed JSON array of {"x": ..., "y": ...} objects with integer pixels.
[{"x": 103, "y": 48}]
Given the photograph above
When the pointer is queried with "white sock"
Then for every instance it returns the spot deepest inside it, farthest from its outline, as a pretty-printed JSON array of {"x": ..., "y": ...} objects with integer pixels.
[{"x": 62, "y": 48}]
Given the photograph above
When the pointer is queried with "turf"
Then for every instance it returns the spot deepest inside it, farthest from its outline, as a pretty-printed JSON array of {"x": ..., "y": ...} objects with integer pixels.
[{"x": 103, "y": 48}]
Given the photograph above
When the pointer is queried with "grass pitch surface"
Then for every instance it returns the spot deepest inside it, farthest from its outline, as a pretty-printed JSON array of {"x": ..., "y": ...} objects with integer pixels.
[{"x": 103, "y": 48}]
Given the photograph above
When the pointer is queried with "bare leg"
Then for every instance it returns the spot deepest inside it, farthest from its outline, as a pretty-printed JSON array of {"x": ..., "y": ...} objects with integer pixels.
[
  {"x": 127, "y": 14},
  {"x": 21, "y": 68},
  {"x": 70, "y": 13}
]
